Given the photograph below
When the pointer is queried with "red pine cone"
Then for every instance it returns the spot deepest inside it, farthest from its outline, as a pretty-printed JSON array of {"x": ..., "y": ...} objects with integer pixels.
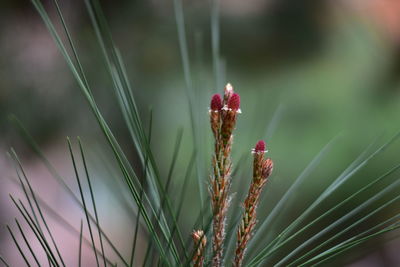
[
  {"x": 260, "y": 146},
  {"x": 216, "y": 102},
  {"x": 234, "y": 102}
]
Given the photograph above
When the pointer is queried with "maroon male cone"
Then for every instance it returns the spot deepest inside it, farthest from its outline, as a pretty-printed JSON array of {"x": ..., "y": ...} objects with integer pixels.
[
  {"x": 260, "y": 147},
  {"x": 215, "y": 114}
]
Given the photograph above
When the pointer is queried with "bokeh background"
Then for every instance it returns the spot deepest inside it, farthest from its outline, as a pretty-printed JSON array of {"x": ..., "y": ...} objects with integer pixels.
[{"x": 307, "y": 71}]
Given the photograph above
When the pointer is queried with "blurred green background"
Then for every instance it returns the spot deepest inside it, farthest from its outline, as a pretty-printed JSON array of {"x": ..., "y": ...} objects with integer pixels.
[{"x": 307, "y": 71}]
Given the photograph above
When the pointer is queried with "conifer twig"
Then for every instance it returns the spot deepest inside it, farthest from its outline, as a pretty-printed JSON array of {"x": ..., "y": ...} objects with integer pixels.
[
  {"x": 262, "y": 169},
  {"x": 223, "y": 114}
]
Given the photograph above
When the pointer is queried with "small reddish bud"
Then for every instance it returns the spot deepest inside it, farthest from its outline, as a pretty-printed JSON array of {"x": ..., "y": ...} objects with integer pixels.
[
  {"x": 234, "y": 102},
  {"x": 228, "y": 91},
  {"x": 197, "y": 235},
  {"x": 200, "y": 242},
  {"x": 267, "y": 167},
  {"x": 216, "y": 102},
  {"x": 260, "y": 146}
]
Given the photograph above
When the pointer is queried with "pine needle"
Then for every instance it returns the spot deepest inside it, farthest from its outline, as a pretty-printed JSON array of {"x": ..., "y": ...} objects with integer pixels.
[{"x": 83, "y": 202}]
